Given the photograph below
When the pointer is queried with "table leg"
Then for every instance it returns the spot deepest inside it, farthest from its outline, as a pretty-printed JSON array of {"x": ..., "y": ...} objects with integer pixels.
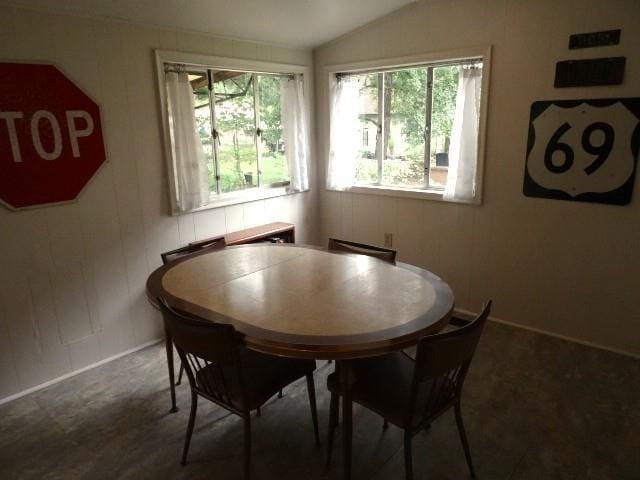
[
  {"x": 172, "y": 387},
  {"x": 346, "y": 380}
]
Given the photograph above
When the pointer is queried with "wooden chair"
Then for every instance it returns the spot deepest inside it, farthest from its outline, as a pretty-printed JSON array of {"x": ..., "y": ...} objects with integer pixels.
[
  {"x": 210, "y": 244},
  {"x": 221, "y": 370},
  {"x": 411, "y": 394},
  {"x": 385, "y": 254}
]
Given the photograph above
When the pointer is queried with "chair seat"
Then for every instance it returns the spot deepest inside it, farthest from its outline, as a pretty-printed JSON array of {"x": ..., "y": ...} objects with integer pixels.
[
  {"x": 264, "y": 376},
  {"x": 383, "y": 385}
]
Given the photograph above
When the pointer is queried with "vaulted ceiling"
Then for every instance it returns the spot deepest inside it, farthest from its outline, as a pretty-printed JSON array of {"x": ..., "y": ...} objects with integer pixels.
[{"x": 294, "y": 23}]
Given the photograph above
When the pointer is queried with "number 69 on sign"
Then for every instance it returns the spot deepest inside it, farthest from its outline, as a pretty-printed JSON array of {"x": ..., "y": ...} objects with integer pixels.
[{"x": 583, "y": 150}]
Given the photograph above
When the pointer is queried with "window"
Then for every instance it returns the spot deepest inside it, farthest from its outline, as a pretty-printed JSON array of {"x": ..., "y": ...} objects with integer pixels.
[
  {"x": 232, "y": 135},
  {"x": 419, "y": 126}
]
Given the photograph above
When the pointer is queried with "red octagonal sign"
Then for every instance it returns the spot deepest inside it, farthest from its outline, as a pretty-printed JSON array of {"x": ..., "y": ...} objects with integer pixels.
[{"x": 50, "y": 136}]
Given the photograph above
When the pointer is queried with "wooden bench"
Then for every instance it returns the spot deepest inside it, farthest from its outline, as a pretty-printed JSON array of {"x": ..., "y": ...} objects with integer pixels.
[{"x": 276, "y": 232}]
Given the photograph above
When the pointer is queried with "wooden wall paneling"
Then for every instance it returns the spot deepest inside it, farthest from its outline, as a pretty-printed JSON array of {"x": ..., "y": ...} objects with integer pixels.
[
  {"x": 253, "y": 213},
  {"x": 242, "y": 49},
  {"x": 209, "y": 223},
  {"x": 186, "y": 228},
  {"x": 35, "y": 362},
  {"x": 34, "y": 27},
  {"x": 291, "y": 55},
  {"x": 8, "y": 34},
  {"x": 26, "y": 257},
  {"x": 85, "y": 351},
  {"x": 44, "y": 307},
  {"x": 106, "y": 255},
  {"x": 70, "y": 284},
  {"x": 74, "y": 47},
  {"x": 195, "y": 43},
  {"x": 410, "y": 231},
  {"x": 161, "y": 229},
  {"x": 331, "y": 213},
  {"x": 365, "y": 224},
  {"x": 234, "y": 218},
  {"x": 222, "y": 47},
  {"x": 274, "y": 211},
  {"x": 482, "y": 274},
  {"x": 387, "y": 208},
  {"x": 347, "y": 216},
  {"x": 264, "y": 53},
  {"x": 117, "y": 334},
  {"x": 16, "y": 304},
  {"x": 8, "y": 370},
  {"x": 516, "y": 259},
  {"x": 455, "y": 237}
]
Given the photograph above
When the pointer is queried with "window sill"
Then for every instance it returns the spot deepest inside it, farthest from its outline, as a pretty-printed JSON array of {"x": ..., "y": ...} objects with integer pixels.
[
  {"x": 243, "y": 196},
  {"x": 419, "y": 193}
]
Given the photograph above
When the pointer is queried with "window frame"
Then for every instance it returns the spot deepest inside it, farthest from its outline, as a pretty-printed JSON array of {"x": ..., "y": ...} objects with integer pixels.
[
  {"x": 204, "y": 62},
  {"x": 426, "y": 60}
]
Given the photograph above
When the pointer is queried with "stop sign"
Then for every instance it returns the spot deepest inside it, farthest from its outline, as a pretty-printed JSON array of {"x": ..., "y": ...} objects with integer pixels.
[{"x": 50, "y": 136}]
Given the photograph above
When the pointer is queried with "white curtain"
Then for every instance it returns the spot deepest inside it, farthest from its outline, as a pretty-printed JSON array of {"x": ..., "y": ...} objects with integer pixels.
[
  {"x": 294, "y": 126},
  {"x": 190, "y": 164},
  {"x": 463, "y": 152},
  {"x": 344, "y": 145}
]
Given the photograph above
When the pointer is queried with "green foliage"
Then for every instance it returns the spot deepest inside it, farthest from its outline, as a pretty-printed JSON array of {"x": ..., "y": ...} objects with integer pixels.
[
  {"x": 445, "y": 89},
  {"x": 235, "y": 122},
  {"x": 405, "y": 118},
  {"x": 270, "y": 110},
  {"x": 408, "y": 102}
]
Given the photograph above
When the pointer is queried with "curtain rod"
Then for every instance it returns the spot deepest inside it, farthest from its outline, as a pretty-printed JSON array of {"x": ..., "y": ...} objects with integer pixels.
[
  {"x": 467, "y": 63},
  {"x": 182, "y": 68}
]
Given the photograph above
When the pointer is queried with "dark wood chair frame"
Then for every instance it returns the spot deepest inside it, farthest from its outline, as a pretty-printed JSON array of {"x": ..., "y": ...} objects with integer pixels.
[
  {"x": 210, "y": 244},
  {"x": 345, "y": 246},
  {"x": 442, "y": 359},
  {"x": 217, "y": 344},
  {"x": 386, "y": 254}
]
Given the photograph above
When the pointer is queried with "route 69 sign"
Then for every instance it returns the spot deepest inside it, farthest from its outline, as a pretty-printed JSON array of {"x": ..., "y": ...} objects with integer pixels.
[{"x": 583, "y": 150}]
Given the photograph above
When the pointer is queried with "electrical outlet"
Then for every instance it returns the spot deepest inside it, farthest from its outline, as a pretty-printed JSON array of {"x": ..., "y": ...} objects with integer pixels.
[{"x": 388, "y": 240}]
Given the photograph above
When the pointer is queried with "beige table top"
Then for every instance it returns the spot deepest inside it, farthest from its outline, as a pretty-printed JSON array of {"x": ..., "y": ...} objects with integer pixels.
[{"x": 305, "y": 302}]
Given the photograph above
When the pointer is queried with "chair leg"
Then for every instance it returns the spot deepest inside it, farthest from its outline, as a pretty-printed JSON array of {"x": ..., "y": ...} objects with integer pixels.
[
  {"x": 311, "y": 390},
  {"x": 333, "y": 423},
  {"x": 408, "y": 462},
  {"x": 172, "y": 388},
  {"x": 347, "y": 432},
  {"x": 192, "y": 419},
  {"x": 247, "y": 446},
  {"x": 180, "y": 374},
  {"x": 463, "y": 438}
]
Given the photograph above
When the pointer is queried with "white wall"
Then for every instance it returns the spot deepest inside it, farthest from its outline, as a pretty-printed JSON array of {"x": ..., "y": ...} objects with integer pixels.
[
  {"x": 564, "y": 267},
  {"x": 72, "y": 277}
]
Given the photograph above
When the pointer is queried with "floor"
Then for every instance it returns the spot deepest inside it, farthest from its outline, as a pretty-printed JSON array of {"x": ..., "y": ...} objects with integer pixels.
[{"x": 535, "y": 407}]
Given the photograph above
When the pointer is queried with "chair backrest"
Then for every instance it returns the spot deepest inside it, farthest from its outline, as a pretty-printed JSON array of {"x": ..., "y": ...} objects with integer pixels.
[
  {"x": 209, "y": 352},
  {"x": 442, "y": 362},
  {"x": 195, "y": 247},
  {"x": 385, "y": 254}
]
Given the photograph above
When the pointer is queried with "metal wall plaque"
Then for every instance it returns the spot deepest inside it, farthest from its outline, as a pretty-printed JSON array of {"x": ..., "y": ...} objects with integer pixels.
[
  {"x": 594, "y": 39},
  {"x": 589, "y": 73},
  {"x": 583, "y": 150}
]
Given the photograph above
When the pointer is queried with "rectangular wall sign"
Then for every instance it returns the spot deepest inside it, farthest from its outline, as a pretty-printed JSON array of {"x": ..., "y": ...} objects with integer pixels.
[
  {"x": 590, "y": 73},
  {"x": 594, "y": 39}
]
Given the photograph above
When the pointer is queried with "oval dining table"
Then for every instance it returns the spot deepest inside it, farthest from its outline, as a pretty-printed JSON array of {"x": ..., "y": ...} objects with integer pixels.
[{"x": 302, "y": 301}]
